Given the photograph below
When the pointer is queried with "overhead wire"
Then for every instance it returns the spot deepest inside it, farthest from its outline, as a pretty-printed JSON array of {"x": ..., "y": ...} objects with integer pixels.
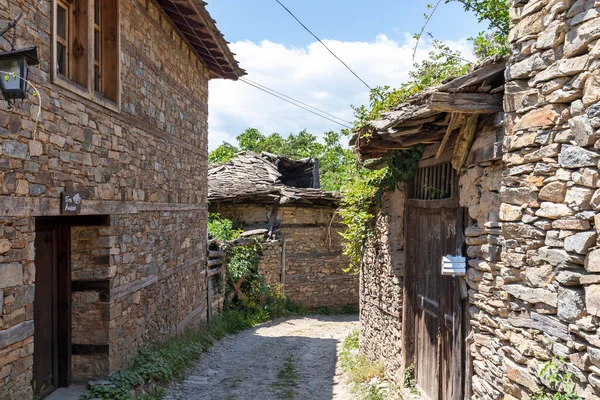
[
  {"x": 298, "y": 101},
  {"x": 295, "y": 104},
  {"x": 263, "y": 88},
  {"x": 324, "y": 45}
]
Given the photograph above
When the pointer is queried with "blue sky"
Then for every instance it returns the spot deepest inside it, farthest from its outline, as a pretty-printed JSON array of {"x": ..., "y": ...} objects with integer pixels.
[{"x": 374, "y": 38}]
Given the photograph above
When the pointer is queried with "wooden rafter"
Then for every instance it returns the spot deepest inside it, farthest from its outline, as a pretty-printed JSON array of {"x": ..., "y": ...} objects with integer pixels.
[{"x": 464, "y": 142}]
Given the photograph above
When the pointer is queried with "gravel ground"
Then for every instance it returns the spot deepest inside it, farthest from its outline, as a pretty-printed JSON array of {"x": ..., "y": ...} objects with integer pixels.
[{"x": 284, "y": 359}]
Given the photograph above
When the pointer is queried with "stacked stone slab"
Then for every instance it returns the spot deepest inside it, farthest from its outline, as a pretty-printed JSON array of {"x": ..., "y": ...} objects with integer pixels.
[
  {"x": 550, "y": 199},
  {"x": 534, "y": 254},
  {"x": 142, "y": 166},
  {"x": 304, "y": 257}
]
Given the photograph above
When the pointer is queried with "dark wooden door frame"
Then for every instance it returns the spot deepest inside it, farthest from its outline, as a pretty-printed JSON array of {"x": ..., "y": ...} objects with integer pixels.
[
  {"x": 61, "y": 329},
  {"x": 409, "y": 295}
]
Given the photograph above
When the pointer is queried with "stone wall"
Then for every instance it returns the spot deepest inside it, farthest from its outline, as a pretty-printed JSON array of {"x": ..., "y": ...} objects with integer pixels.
[
  {"x": 313, "y": 261},
  {"x": 381, "y": 291},
  {"x": 550, "y": 202},
  {"x": 533, "y": 248},
  {"x": 304, "y": 248},
  {"x": 17, "y": 275},
  {"x": 143, "y": 164}
]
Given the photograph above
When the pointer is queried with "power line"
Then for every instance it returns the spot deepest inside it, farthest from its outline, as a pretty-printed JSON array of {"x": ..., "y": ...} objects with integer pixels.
[
  {"x": 298, "y": 101},
  {"x": 295, "y": 104},
  {"x": 324, "y": 45}
]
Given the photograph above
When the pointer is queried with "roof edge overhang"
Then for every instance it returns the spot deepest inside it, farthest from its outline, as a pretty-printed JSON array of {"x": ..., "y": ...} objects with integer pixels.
[
  {"x": 433, "y": 115},
  {"x": 199, "y": 30}
]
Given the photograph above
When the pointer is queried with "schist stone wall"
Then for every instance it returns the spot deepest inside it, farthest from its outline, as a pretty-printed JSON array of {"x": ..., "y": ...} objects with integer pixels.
[
  {"x": 306, "y": 258},
  {"x": 534, "y": 254},
  {"x": 550, "y": 200},
  {"x": 143, "y": 168}
]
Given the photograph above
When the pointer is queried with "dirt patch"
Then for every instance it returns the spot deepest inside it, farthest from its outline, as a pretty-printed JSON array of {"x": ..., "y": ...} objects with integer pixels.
[{"x": 284, "y": 359}]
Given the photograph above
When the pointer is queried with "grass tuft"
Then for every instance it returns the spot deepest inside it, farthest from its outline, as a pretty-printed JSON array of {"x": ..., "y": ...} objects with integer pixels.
[
  {"x": 364, "y": 375},
  {"x": 287, "y": 380},
  {"x": 161, "y": 363}
]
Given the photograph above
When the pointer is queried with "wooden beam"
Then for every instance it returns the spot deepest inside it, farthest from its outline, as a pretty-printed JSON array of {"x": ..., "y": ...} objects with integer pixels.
[
  {"x": 382, "y": 144},
  {"x": 469, "y": 103},
  {"x": 427, "y": 136},
  {"x": 490, "y": 71},
  {"x": 403, "y": 132},
  {"x": 454, "y": 123},
  {"x": 464, "y": 142}
]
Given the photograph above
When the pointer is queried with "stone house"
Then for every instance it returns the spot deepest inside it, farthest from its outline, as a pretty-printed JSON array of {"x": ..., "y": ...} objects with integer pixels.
[
  {"x": 513, "y": 189},
  {"x": 279, "y": 199},
  {"x": 122, "y": 141}
]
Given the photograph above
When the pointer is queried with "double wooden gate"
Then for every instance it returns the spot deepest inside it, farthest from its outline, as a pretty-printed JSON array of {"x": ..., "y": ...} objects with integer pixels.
[{"x": 433, "y": 313}]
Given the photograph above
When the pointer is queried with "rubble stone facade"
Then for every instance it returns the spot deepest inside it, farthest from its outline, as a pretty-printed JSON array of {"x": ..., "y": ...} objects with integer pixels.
[
  {"x": 533, "y": 258},
  {"x": 305, "y": 257},
  {"x": 141, "y": 166}
]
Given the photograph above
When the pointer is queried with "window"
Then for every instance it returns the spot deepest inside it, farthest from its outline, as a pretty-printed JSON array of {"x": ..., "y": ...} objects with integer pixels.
[
  {"x": 434, "y": 183},
  {"x": 89, "y": 67}
]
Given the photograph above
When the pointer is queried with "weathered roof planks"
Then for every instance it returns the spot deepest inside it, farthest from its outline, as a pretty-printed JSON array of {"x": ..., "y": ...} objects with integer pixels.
[
  {"x": 434, "y": 115},
  {"x": 196, "y": 25}
]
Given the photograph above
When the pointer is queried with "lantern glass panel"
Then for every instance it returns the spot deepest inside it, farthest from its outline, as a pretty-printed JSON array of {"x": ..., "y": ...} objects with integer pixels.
[{"x": 10, "y": 73}]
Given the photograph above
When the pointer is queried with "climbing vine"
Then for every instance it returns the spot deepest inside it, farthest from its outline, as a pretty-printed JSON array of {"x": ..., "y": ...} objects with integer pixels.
[
  {"x": 562, "y": 387},
  {"x": 361, "y": 196},
  {"x": 244, "y": 283}
]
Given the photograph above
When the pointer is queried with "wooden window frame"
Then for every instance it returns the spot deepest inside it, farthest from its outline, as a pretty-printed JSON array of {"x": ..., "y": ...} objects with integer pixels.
[{"x": 88, "y": 90}]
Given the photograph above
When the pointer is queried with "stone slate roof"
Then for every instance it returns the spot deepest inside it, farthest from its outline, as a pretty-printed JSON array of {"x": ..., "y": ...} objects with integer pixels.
[
  {"x": 425, "y": 117},
  {"x": 259, "y": 178}
]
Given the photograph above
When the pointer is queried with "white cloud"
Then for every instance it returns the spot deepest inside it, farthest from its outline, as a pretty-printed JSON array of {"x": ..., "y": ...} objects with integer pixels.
[{"x": 311, "y": 75}]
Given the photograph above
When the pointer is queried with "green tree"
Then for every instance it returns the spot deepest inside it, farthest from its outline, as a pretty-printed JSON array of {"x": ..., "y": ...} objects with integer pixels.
[
  {"x": 337, "y": 162},
  {"x": 494, "y": 41}
]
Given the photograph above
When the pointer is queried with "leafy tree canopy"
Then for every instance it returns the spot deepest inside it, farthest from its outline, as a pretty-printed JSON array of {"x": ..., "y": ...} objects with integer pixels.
[
  {"x": 493, "y": 42},
  {"x": 336, "y": 161}
]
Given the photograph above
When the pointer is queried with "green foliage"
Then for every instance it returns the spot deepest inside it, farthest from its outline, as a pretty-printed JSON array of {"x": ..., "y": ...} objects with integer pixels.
[
  {"x": 363, "y": 193},
  {"x": 221, "y": 154},
  {"x": 242, "y": 265},
  {"x": 562, "y": 387},
  {"x": 493, "y": 42},
  {"x": 336, "y": 160},
  {"x": 410, "y": 381},
  {"x": 222, "y": 228},
  {"x": 286, "y": 385},
  {"x": 363, "y": 374},
  {"x": 443, "y": 62},
  {"x": 162, "y": 363}
]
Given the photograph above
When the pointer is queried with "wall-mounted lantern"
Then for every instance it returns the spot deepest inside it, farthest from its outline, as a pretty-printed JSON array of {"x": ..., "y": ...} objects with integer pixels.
[{"x": 14, "y": 72}]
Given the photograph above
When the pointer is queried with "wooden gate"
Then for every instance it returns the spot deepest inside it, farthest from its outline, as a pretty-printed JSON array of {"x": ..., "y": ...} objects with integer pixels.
[
  {"x": 433, "y": 312},
  {"x": 52, "y": 307}
]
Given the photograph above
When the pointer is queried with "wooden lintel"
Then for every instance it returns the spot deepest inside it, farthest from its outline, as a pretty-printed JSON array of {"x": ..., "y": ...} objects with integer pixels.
[
  {"x": 469, "y": 103},
  {"x": 464, "y": 142}
]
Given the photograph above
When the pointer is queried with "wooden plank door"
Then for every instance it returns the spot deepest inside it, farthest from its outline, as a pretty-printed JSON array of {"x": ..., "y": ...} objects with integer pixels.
[
  {"x": 45, "y": 361},
  {"x": 52, "y": 307},
  {"x": 434, "y": 230}
]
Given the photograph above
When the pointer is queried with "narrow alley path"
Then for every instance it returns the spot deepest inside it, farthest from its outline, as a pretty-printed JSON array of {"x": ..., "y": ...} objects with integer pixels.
[{"x": 284, "y": 359}]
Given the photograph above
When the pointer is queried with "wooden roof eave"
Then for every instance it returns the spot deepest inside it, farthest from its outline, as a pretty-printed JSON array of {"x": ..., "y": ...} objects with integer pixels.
[{"x": 198, "y": 29}]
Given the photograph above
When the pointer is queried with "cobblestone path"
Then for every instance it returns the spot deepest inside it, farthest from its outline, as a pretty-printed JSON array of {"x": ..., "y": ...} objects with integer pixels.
[{"x": 284, "y": 359}]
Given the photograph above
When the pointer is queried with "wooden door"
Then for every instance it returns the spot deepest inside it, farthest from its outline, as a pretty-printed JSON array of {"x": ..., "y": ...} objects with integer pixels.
[
  {"x": 45, "y": 362},
  {"x": 52, "y": 307},
  {"x": 434, "y": 229}
]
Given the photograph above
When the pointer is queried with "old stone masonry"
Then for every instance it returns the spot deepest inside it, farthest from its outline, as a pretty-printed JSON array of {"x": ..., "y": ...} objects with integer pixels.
[{"x": 530, "y": 183}]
